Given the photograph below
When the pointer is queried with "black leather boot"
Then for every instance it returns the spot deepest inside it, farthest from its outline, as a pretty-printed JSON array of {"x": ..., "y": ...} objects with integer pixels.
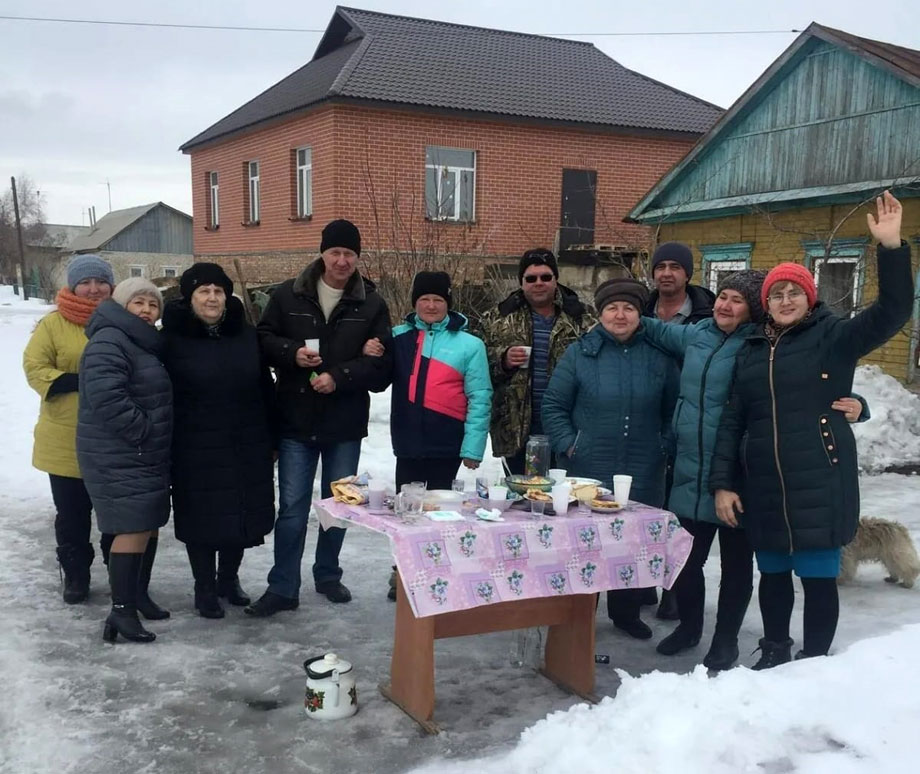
[
  {"x": 123, "y": 620},
  {"x": 667, "y": 610},
  {"x": 75, "y": 561},
  {"x": 773, "y": 654},
  {"x": 145, "y": 605},
  {"x": 228, "y": 579},
  {"x": 723, "y": 653},
  {"x": 204, "y": 560},
  {"x": 682, "y": 638}
]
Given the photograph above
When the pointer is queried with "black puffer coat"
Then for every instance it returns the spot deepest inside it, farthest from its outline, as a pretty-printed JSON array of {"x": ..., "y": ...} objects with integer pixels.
[
  {"x": 800, "y": 487},
  {"x": 124, "y": 424},
  {"x": 293, "y": 314},
  {"x": 223, "y": 489}
]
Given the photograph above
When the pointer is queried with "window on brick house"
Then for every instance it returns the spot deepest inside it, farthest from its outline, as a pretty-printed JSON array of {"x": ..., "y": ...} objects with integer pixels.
[
  {"x": 253, "y": 192},
  {"x": 213, "y": 200},
  {"x": 720, "y": 261},
  {"x": 304, "y": 159},
  {"x": 838, "y": 273},
  {"x": 450, "y": 183}
]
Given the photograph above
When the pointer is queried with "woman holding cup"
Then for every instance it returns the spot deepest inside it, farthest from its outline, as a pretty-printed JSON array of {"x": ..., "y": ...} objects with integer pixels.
[{"x": 608, "y": 408}]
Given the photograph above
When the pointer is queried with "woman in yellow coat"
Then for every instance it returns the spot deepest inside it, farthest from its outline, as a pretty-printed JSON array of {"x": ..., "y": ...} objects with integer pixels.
[{"x": 51, "y": 362}]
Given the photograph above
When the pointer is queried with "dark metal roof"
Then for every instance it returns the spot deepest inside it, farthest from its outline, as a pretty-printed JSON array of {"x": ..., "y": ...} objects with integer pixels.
[
  {"x": 366, "y": 55},
  {"x": 903, "y": 62}
]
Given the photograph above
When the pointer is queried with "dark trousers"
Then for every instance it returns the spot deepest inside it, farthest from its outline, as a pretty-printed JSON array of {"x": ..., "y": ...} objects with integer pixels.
[
  {"x": 822, "y": 609},
  {"x": 73, "y": 520},
  {"x": 735, "y": 586},
  {"x": 210, "y": 563},
  {"x": 437, "y": 472}
]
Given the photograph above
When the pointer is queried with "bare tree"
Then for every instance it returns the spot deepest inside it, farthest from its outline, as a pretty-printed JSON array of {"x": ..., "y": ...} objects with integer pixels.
[{"x": 33, "y": 227}]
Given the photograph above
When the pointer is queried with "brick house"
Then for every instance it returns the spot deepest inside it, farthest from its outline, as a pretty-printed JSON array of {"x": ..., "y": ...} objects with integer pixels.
[
  {"x": 436, "y": 137},
  {"x": 788, "y": 173}
]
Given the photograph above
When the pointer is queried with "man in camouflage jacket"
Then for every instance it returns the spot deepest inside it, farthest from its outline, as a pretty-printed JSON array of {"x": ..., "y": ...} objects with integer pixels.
[{"x": 546, "y": 316}]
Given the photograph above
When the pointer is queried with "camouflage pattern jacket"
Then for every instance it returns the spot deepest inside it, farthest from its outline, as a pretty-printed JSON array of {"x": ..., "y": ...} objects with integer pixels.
[{"x": 510, "y": 325}]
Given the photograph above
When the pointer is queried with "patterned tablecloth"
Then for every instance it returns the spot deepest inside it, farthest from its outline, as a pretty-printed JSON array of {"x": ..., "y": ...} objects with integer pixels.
[{"x": 457, "y": 565}]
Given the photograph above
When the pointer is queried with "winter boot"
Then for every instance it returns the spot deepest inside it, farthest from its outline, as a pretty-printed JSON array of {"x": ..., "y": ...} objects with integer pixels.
[
  {"x": 228, "y": 579},
  {"x": 667, "y": 610},
  {"x": 723, "y": 653},
  {"x": 203, "y": 560},
  {"x": 123, "y": 574},
  {"x": 145, "y": 605},
  {"x": 773, "y": 654},
  {"x": 733, "y": 604},
  {"x": 75, "y": 561},
  {"x": 682, "y": 638}
]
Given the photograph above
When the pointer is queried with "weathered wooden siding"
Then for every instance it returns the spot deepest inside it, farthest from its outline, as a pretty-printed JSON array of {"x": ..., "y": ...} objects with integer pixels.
[
  {"x": 161, "y": 230},
  {"x": 779, "y": 237},
  {"x": 831, "y": 119}
]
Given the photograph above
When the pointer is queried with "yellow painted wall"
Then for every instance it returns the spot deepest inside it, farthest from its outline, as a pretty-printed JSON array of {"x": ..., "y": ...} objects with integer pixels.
[{"x": 778, "y": 237}]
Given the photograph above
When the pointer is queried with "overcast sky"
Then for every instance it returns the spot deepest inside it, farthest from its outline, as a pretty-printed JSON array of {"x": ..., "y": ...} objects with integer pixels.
[{"x": 82, "y": 104}]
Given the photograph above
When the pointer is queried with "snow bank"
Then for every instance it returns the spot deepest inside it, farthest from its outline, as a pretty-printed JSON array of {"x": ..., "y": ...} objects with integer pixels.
[
  {"x": 892, "y": 436},
  {"x": 842, "y": 714}
]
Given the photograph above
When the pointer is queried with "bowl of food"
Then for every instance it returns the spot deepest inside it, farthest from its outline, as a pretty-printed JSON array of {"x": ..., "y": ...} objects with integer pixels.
[{"x": 520, "y": 484}]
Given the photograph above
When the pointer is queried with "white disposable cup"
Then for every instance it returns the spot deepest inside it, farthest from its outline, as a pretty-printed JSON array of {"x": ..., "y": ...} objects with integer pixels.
[
  {"x": 498, "y": 493},
  {"x": 528, "y": 350},
  {"x": 562, "y": 493},
  {"x": 376, "y": 491},
  {"x": 621, "y": 487},
  {"x": 557, "y": 475},
  {"x": 312, "y": 344}
]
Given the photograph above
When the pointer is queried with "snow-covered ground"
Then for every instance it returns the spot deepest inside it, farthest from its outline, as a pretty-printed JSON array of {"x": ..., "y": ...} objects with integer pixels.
[{"x": 227, "y": 696}]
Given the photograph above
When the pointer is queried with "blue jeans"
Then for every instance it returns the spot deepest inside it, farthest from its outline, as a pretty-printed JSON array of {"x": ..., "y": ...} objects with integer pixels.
[{"x": 297, "y": 463}]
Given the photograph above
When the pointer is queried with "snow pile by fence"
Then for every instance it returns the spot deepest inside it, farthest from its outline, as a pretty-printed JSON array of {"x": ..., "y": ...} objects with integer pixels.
[{"x": 892, "y": 436}]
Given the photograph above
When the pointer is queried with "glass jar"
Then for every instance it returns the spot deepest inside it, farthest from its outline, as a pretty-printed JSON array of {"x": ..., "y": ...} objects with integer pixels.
[{"x": 537, "y": 456}]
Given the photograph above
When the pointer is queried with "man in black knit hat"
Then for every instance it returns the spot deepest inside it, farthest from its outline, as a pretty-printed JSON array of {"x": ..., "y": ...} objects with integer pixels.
[{"x": 322, "y": 399}]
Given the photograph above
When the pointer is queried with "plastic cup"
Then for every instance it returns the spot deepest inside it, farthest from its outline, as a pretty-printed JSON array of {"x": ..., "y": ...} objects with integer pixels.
[
  {"x": 562, "y": 493},
  {"x": 557, "y": 475},
  {"x": 312, "y": 344},
  {"x": 537, "y": 508},
  {"x": 498, "y": 492},
  {"x": 376, "y": 491},
  {"x": 621, "y": 487},
  {"x": 528, "y": 350}
]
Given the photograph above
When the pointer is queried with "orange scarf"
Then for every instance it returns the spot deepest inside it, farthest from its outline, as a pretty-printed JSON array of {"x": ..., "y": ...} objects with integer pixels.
[{"x": 74, "y": 308}]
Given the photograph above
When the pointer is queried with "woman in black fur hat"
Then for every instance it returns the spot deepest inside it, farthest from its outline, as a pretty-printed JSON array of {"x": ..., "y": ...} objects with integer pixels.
[{"x": 222, "y": 466}]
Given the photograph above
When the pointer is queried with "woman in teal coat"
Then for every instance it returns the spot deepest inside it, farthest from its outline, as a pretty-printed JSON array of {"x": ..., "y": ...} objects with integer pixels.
[
  {"x": 708, "y": 350},
  {"x": 608, "y": 408}
]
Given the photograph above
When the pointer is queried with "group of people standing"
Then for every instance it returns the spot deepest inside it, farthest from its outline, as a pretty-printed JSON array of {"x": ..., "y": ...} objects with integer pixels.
[{"x": 727, "y": 409}]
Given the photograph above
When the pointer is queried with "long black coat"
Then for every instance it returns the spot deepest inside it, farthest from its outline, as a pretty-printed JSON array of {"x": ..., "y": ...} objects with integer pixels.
[
  {"x": 124, "y": 424},
  {"x": 800, "y": 485},
  {"x": 293, "y": 314},
  {"x": 223, "y": 488}
]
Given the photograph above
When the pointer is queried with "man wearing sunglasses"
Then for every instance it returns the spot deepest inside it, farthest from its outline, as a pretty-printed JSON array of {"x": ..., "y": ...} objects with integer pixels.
[{"x": 525, "y": 336}]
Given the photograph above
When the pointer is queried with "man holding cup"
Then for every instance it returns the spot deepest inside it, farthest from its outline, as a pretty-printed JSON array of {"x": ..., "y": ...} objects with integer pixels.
[
  {"x": 525, "y": 336},
  {"x": 312, "y": 333}
]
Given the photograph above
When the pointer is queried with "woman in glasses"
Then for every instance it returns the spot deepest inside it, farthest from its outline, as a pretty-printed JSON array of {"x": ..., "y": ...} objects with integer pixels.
[{"x": 799, "y": 492}]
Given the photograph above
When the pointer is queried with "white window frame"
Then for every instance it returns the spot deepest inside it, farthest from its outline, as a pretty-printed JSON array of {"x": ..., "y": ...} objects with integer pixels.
[
  {"x": 214, "y": 192},
  {"x": 720, "y": 259},
  {"x": 253, "y": 169},
  {"x": 850, "y": 251},
  {"x": 443, "y": 171},
  {"x": 304, "y": 182},
  {"x": 173, "y": 269},
  {"x": 139, "y": 268}
]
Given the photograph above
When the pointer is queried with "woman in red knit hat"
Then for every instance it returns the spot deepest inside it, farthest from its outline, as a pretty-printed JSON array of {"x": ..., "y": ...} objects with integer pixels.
[{"x": 798, "y": 494}]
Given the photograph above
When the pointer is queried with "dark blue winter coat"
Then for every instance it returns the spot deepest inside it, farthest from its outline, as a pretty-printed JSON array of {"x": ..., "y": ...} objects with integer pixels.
[
  {"x": 442, "y": 393},
  {"x": 613, "y": 402},
  {"x": 124, "y": 425}
]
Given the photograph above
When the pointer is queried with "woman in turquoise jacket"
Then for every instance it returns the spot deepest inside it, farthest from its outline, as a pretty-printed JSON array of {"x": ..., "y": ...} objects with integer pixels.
[
  {"x": 708, "y": 350},
  {"x": 608, "y": 410}
]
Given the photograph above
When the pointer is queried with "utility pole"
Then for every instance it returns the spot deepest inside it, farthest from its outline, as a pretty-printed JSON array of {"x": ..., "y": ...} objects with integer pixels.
[
  {"x": 22, "y": 255},
  {"x": 108, "y": 186}
]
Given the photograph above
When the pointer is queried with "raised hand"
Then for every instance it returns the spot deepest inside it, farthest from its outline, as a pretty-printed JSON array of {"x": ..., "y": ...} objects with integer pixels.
[{"x": 886, "y": 224}]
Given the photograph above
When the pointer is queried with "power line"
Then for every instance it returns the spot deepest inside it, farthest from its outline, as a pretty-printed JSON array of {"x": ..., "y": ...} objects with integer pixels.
[{"x": 110, "y": 22}]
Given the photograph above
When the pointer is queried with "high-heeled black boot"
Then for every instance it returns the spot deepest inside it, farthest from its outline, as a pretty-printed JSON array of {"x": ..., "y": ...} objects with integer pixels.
[
  {"x": 204, "y": 560},
  {"x": 145, "y": 605},
  {"x": 123, "y": 620}
]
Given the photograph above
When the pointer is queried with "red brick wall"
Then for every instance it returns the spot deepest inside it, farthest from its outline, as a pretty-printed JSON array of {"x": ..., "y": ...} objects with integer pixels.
[{"x": 518, "y": 181}]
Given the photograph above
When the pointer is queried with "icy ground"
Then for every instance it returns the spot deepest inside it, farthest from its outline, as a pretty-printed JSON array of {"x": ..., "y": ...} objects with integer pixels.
[{"x": 227, "y": 696}]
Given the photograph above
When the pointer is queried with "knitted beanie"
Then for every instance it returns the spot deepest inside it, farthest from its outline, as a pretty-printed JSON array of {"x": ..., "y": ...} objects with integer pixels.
[
  {"x": 539, "y": 256},
  {"x": 748, "y": 283},
  {"x": 621, "y": 289},
  {"x": 135, "y": 286},
  {"x": 435, "y": 283},
  {"x": 204, "y": 274},
  {"x": 88, "y": 266},
  {"x": 674, "y": 251},
  {"x": 341, "y": 233},
  {"x": 790, "y": 272}
]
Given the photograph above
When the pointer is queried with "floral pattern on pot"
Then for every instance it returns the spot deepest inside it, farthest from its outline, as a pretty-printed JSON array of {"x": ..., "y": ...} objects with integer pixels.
[
  {"x": 353, "y": 694},
  {"x": 313, "y": 700}
]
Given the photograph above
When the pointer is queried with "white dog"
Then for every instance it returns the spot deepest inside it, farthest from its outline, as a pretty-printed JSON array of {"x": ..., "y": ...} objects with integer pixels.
[{"x": 888, "y": 542}]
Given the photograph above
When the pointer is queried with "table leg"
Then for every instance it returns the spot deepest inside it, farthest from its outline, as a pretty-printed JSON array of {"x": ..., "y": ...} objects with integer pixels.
[
  {"x": 411, "y": 685},
  {"x": 569, "y": 656}
]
